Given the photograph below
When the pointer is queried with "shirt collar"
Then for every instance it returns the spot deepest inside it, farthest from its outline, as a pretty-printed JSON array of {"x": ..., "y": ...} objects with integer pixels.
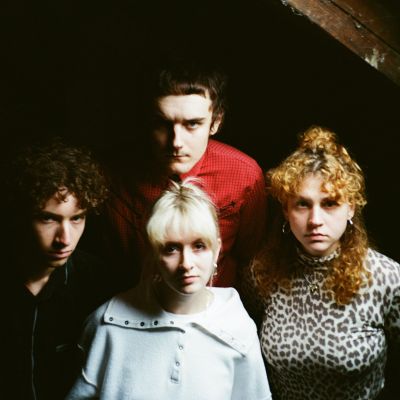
[{"x": 121, "y": 312}]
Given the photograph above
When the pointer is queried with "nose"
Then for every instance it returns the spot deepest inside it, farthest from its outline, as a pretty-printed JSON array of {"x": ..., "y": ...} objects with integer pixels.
[
  {"x": 63, "y": 236},
  {"x": 177, "y": 137},
  {"x": 186, "y": 260},
  {"x": 315, "y": 218}
]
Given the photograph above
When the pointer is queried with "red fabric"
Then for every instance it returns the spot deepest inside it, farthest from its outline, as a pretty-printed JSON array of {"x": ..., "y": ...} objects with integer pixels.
[{"x": 235, "y": 183}]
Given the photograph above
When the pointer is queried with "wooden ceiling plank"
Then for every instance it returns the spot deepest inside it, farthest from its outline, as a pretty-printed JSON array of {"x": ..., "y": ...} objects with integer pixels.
[
  {"x": 381, "y": 17},
  {"x": 352, "y": 33}
]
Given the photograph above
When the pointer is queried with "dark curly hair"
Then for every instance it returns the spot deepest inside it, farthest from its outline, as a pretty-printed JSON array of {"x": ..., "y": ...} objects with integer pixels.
[{"x": 41, "y": 171}]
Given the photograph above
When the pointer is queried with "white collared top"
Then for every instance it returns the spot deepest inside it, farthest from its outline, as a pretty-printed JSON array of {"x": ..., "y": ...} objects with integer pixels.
[{"x": 136, "y": 350}]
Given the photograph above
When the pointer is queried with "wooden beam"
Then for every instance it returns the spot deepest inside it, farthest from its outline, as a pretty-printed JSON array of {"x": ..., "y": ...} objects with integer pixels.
[{"x": 370, "y": 30}]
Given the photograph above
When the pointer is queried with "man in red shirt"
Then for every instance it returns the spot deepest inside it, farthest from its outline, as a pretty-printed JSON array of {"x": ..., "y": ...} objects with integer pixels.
[{"x": 184, "y": 109}]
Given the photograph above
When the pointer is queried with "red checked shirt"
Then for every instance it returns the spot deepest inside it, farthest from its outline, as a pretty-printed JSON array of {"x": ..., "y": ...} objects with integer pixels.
[{"x": 233, "y": 180}]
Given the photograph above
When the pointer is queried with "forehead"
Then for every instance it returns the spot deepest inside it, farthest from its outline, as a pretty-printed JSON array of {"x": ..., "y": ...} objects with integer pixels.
[
  {"x": 181, "y": 236},
  {"x": 189, "y": 106},
  {"x": 315, "y": 186},
  {"x": 62, "y": 206},
  {"x": 187, "y": 229},
  {"x": 311, "y": 184}
]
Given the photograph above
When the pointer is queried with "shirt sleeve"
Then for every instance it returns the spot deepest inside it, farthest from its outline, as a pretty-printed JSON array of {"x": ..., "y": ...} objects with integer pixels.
[
  {"x": 82, "y": 389},
  {"x": 85, "y": 386},
  {"x": 251, "y": 380},
  {"x": 393, "y": 316}
]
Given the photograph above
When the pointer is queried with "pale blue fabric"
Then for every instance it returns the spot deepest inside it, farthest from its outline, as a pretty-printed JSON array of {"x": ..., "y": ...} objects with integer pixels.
[{"x": 136, "y": 350}]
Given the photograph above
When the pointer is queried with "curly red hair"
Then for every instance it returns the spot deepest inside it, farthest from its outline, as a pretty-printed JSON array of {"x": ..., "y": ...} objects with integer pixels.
[{"x": 318, "y": 153}]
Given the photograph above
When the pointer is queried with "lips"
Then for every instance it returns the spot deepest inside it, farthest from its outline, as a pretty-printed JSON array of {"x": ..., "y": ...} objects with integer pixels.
[
  {"x": 188, "y": 279},
  {"x": 59, "y": 255},
  {"x": 316, "y": 236},
  {"x": 177, "y": 155}
]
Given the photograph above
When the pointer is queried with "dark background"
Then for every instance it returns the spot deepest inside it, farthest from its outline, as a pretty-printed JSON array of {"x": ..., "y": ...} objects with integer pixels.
[{"x": 75, "y": 77}]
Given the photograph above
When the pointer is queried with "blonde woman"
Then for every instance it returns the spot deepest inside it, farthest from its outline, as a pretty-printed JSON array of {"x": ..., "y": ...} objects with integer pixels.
[
  {"x": 330, "y": 302},
  {"x": 174, "y": 337}
]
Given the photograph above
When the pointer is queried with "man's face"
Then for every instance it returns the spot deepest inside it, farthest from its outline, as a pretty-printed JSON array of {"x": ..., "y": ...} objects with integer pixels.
[
  {"x": 57, "y": 228},
  {"x": 184, "y": 125}
]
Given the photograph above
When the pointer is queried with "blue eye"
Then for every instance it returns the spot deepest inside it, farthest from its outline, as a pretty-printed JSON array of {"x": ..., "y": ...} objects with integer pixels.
[
  {"x": 192, "y": 124},
  {"x": 200, "y": 246}
]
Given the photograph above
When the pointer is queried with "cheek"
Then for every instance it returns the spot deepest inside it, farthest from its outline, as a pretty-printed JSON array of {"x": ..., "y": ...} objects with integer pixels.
[
  {"x": 207, "y": 261},
  {"x": 78, "y": 231},
  {"x": 341, "y": 226},
  {"x": 199, "y": 140},
  {"x": 42, "y": 236},
  {"x": 160, "y": 137},
  {"x": 297, "y": 222},
  {"x": 167, "y": 265}
]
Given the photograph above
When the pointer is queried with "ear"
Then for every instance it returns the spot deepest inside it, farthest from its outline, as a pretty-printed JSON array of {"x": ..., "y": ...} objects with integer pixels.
[
  {"x": 285, "y": 211},
  {"x": 352, "y": 210},
  {"x": 216, "y": 124}
]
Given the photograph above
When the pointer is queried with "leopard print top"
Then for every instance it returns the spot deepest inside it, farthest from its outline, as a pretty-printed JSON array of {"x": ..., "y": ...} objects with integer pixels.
[{"x": 316, "y": 349}]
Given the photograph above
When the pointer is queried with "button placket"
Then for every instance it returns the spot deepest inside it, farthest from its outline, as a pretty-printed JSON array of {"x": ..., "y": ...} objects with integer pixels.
[{"x": 178, "y": 360}]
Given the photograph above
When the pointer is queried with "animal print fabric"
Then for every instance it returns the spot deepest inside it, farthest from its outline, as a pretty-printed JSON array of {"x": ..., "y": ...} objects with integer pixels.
[{"x": 316, "y": 349}]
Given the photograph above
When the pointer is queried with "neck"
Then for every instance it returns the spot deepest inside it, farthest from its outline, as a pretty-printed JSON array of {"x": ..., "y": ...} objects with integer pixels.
[
  {"x": 179, "y": 303},
  {"x": 34, "y": 276},
  {"x": 36, "y": 285}
]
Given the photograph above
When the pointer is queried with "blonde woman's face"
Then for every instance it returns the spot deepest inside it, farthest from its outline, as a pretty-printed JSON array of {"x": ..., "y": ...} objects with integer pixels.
[
  {"x": 186, "y": 263},
  {"x": 316, "y": 219}
]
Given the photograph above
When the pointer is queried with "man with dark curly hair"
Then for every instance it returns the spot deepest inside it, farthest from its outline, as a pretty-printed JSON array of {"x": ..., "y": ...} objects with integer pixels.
[{"x": 49, "y": 286}]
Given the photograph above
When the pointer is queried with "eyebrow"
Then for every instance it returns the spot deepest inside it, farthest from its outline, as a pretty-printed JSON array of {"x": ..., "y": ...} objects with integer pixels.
[
  {"x": 159, "y": 114},
  {"x": 42, "y": 213}
]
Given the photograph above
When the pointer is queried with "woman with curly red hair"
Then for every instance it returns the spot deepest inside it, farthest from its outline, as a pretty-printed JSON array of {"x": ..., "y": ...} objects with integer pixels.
[{"x": 330, "y": 302}]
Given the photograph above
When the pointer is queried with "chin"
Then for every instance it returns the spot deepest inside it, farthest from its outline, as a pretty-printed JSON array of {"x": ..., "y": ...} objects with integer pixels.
[
  {"x": 180, "y": 169},
  {"x": 58, "y": 263},
  {"x": 319, "y": 252}
]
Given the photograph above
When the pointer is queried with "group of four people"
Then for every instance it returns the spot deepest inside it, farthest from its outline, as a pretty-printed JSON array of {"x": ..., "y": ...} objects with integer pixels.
[{"x": 184, "y": 233}]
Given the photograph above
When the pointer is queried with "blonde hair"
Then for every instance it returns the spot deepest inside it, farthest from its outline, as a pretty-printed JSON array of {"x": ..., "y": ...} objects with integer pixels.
[
  {"x": 319, "y": 153},
  {"x": 185, "y": 209}
]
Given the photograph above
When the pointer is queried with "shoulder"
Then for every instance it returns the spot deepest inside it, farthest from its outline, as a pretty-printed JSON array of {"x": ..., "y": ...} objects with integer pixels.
[
  {"x": 85, "y": 265},
  {"x": 229, "y": 154},
  {"x": 384, "y": 270},
  {"x": 230, "y": 317},
  {"x": 81, "y": 257},
  {"x": 117, "y": 308},
  {"x": 226, "y": 295},
  {"x": 89, "y": 275}
]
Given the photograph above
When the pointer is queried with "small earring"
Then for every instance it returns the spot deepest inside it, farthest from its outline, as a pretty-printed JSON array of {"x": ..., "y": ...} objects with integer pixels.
[
  {"x": 285, "y": 228},
  {"x": 215, "y": 269},
  {"x": 350, "y": 221}
]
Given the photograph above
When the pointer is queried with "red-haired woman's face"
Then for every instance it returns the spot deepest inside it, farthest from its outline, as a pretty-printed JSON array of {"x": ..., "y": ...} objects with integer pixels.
[{"x": 316, "y": 219}]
